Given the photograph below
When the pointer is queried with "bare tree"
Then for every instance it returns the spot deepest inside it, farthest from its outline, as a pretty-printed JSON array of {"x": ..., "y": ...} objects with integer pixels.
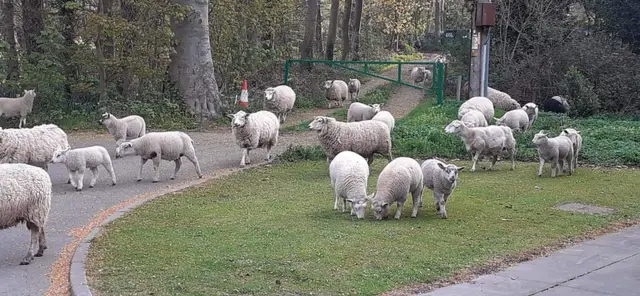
[
  {"x": 333, "y": 28},
  {"x": 345, "y": 29},
  {"x": 356, "y": 29},
  {"x": 9, "y": 34},
  {"x": 318, "y": 45},
  {"x": 306, "y": 47}
]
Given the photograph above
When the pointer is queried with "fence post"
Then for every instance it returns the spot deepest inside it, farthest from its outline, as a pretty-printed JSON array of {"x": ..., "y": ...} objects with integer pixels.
[
  {"x": 440, "y": 94},
  {"x": 286, "y": 71},
  {"x": 399, "y": 72},
  {"x": 459, "y": 89}
]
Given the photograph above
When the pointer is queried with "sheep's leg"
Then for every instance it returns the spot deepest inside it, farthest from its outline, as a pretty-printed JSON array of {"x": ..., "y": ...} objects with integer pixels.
[
  {"x": 79, "y": 179},
  {"x": 32, "y": 246},
  {"x": 554, "y": 167},
  {"x": 560, "y": 168},
  {"x": 71, "y": 180},
  {"x": 284, "y": 117},
  {"x": 20, "y": 123},
  {"x": 513, "y": 159},
  {"x": 370, "y": 160},
  {"x": 540, "y": 168},
  {"x": 436, "y": 199},
  {"x": 178, "y": 164},
  {"x": 335, "y": 202},
  {"x": 156, "y": 169},
  {"x": 42, "y": 242},
  {"x": 344, "y": 205},
  {"x": 142, "y": 162},
  {"x": 109, "y": 168},
  {"x": 494, "y": 159},
  {"x": 94, "y": 176},
  {"x": 194, "y": 159},
  {"x": 442, "y": 204},
  {"x": 399, "y": 210},
  {"x": 269, "y": 147},
  {"x": 475, "y": 160},
  {"x": 416, "y": 196}
]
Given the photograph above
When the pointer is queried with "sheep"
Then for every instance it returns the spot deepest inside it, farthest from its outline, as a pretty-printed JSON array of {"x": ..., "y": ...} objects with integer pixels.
[
  {"x": 516, "y": 120},
  {"x": 474, "y": 118},
  {"x": 441, "y": 178},
  {"x": 254, "y": 130},
  {"x": 336, "y": 90},
  {"x": 576, "y": 140},
  {"x": 532, "y": 112},
  {"x": 359, "y": 111},
  {"x": 502, "y": 100},
  {"x": 123, "y": 129},
  {"x": 482, "y": 104},
  {"x": 354, "y": 89},
  {"x": 160, "y": 145},
  {"x": 79, "y": 159},
  {"x": 22, "y": 106},
  {"x": 364, "y": 137},
  {"x": 34, "y": 146},
  {"x": 349, "y": 173},
  {"x": 556, "y": 104},
  {"x": 25, "y": 197},
  {"x": 490, "y": 140},
  {"x": 279, "y": 100},
  {"x": 420, "y": 75},
  {"x": 387, "y": 118},
  {"x": 401, "y": 176},
  {"x": 556, "y": 150}
]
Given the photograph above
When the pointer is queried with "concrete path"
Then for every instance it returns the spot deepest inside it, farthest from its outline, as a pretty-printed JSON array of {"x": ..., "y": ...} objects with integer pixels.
[{"x": 608, "y": 265}]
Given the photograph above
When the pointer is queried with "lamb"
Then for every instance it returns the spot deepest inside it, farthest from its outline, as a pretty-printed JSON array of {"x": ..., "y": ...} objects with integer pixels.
[
  {"x": 387, "y": 118},
  {"x": 349, "y": 173},
  {"x": 279, "y": 100},
  {"x": 34, "y": 146},
  {"x": 25, "y": 197},
  {"x": 397, "y": 179},
  {"x": 532, "y": 112},
  {"x": 123, "y": 129},
  {"x": 490, "y": 140},
  {"x": 441, "y": 178},
  {"x": 78, "y": 160},
  {"x": 474, "y": 118},
  {"x": 556, "y": 150},
  {"x": 354, "y": 89},
  {"x": 255, "y": 130},
  {"x": 556, "y": 104},
  {"x": 482, "y": 104},
  {"x": 502, "y": 100},
  {"x": 160, "y": 145},
  {"x": 336, "y": 90},
  {"x": 516, "y": 120},
  {"x": 364, "y": 137},
  {"x": 359, "y": 111},
  {"x": 576, "y": 140},
  {"x": 22, "y": 106},
  {"x": 420, "y": 75}
]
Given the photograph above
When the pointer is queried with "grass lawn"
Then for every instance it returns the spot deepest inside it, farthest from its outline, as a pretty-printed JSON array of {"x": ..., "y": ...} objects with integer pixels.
[{"x": 273, "y": 231}]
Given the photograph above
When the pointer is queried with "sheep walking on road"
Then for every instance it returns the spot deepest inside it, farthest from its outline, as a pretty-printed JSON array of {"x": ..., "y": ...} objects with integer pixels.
[
  {"x": 253, "y": 131},
  {"x": 354, "y": 89},
  {"x": 33, "y": 146},
  {"x": 336, "y": 91},
  {"x": 22, "y": 106},
  {"x": 123, "y": 129},
  {"x": 78, "y": 160},
  {"x": 280, "y": 101}
]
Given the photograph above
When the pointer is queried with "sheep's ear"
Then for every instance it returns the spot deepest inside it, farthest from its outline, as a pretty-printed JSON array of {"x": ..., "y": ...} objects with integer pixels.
[
  {"x": 496, "y": 119},
  {"x": 441, "y": 166},
  {"x": 384, "y": 204},
  {"x": 246, "y": 116},
  {"x": 460, "y": 168},
  {"x": 230, "y": 116},
  {"x": 565, "y": 131}
]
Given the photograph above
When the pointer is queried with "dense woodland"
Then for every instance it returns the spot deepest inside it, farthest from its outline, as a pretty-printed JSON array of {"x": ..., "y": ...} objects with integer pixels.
[{"x": 167, "y": 60}]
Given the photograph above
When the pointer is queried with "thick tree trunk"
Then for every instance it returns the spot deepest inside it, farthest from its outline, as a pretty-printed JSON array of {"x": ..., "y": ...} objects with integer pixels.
[
  {"x": 438, "y": 20},
  {"x": 333, "y": 28},
  {"x": 356, "y": 30},
  {"x": 318, "y": 44},
  {"x": 32, "y": 23},
  {"x": 8, "y": 31},
  {"x": 345, "y": 29},
  {"x": 191, "y": 64},
  {"x": 130, "y": 82},
  {"x": 306, "y": 47},
  {"x": 69, "y": 22}
]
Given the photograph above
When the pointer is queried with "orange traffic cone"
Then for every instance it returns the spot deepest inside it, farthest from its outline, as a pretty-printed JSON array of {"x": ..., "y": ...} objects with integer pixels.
[{"x": 244, "y": 95}]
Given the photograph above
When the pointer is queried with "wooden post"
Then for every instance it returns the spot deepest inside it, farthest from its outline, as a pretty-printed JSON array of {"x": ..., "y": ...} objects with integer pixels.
[{"x": 459, "y": 89}]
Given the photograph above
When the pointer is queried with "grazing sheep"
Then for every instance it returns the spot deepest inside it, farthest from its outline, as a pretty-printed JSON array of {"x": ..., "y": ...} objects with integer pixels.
[
  {"x": 502, "y": 100},
  {"x": 354, "y": 89},
  {"x": 441, "y": 178},
  {"x": 482, "y": 104},
  {"x": 79, "y": 159},
  {"x": 349, "y": 173},
  {"x": 474, "y": 118},
  {"x": 490, "y": 140},
  {"x": 364, "y": 137},
  {"x": 420, "y": 75},
  {"x": 34, "y": 146},
  {"x": 386, "y": 117},
  {"x": 254, "y": 130},
  {"x": 123, "y": 129},
  {"x": 14, "y": 107},
  {"x": 336, "y": 91},
  {"x": 279, "y": 100},
  {"x": 160, "y": 145},
  {"x": 556, "y": 104},
  {"x": 555, "y": 150},
  {"x": 359, "y": 111},
  {"x": 532, "y": 112},
  {"x": 516, "y": 120},
  {"x": 397, "y": 179},
  {"x": 576, "y": 140},
  {"x": 25, "y": 196}
]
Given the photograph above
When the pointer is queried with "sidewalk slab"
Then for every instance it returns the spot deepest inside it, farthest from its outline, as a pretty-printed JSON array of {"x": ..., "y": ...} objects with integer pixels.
[
  {"x": 617, "y": 279},
  {"x": 566, "y": 291}
]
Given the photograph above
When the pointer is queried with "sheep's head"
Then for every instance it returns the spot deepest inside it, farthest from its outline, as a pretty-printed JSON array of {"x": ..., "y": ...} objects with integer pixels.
[
  {"x": 569, "y": 131},
  {"x": 327, "y": 84},
  {"x": 60, "y": 155},
  {"x": 124, "y": 149},
  {"x": 451, "y": 170},
  {"x": 30, "y": 93},
  {"x": 320, "y": 123},
  {"x": 358, "y": 206},
  {"x": 239, "y": 119},
  {"x": 539, "y": 138},
  {"x": 375, "y": 108},
  {"x": 380, "y": 208},
  {"x": 512, "y": 105},
  {"x": 352, "y": 82},
  {"x": 455, "y": 127},
  {"x": 104, "y": 117},
  {"x": 499, "y": 121},
  {"x": 268, "y": 94},
  {"x": 530, "y": 107}
]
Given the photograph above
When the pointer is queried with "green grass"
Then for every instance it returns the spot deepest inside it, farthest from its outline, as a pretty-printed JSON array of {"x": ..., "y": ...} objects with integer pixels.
[
  {"x": 273, "y": 231},
  {"x": 397, "y": 58}
]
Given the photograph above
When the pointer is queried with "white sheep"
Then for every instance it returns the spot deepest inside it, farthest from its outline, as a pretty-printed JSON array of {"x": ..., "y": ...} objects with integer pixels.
[
  {"x": 556, "y": 150},
  {"x": 79, "y": 159},
  {"x": 279, "y": 100},
  {"x": 490, "y": 140},
  {"x": 359, "y": 111},
  {"x": 532, "y": 112},
  {"x": 21, "y": 106},
  {"x": 349, "y": 174},
  {"x": 364, "y": 137},
  {"x": 161, "y": 145},
  {"x": 474, "y": 118},
  {"x": 354, "y": 89},
  {"x": 34, "y": 146},
  {"x": 336, "y": 91},
  {"x": 123, "y": 129},
  {"x": 420, "y": 75},
  {"x": 253, "y": 131},
  {"x": 25, "y": 196},
  {"x": 502, "y": 100},
  {"x": 386, "y": 117},
  {"x": 516, "y": 120},
  {"x": 482, "y": 104},
  {"x": 441, "y": 178},
  {"x": 400, "y": 177},
  {"x": 576, "y": 140}
]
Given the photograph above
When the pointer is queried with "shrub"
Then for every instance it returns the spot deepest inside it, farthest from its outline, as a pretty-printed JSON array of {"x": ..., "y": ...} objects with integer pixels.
[{"x": 584, "y": 101}]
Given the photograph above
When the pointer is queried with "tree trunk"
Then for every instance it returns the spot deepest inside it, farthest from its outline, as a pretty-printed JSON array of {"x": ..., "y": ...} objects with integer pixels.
[
  {"x": 356, "y": 30},
  {"x": 438, "y": 19},
  {"x": 306, "y": 47},
  {"x": 318, "y": 44},
  {"x": 102, "y": 74},
  {"x": 69, "y": 22},
  {"x": 8, "y": 31},
  {"x": 345, "y": 29},
  {"x": 32, "y": 23},
  {"x": 333, "y": 28},
  {"x": 191, "y": 63},
  {"x": 130, "y": 82}
]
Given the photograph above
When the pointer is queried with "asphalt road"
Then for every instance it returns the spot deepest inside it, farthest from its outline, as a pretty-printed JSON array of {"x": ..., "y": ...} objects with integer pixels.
[{"x": 71, "y": 209}]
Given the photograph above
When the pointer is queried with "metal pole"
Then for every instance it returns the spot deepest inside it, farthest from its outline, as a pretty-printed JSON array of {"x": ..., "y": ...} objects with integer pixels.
[{"x": 478, "y": 75}]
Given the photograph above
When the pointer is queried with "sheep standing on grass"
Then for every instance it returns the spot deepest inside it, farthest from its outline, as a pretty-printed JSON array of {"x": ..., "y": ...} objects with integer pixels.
[
  {"x": 516, "y": 120},
  {"x": 279, "y": 100},
  {"x": 161, "y": 145},
  {"x": 359, "y": 111},
  {"x": 532, "y": 112},
  {"x": 474, "y": 118},
  {"x": 576, "y": 140},
  {"x": 354, "y": 89},
  {"x": 25, "y": 196},
  {"x": 336, "y": 91},
  {"x": 441, "y": 178},
  {"x": 481, "y": 104},
  {"x": 400, "y": 177},
  {"x": 387, "y": 118},
  {"x": 123, "y": 129},
  {"x": 349, "y": 174},
  {"x": 490, "y": 141},
  {"x": 34, "y": 146},
  {"x": 14, "y": 107},
  {"x": 556, "y": 150},
  {"x": 364, "y": 137},
  {"x": 502, "y": 100},
  {"x": 78, "y": 160},
  {"x": 420, "y": 75},
  {"x": 253, "y": 131}
]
